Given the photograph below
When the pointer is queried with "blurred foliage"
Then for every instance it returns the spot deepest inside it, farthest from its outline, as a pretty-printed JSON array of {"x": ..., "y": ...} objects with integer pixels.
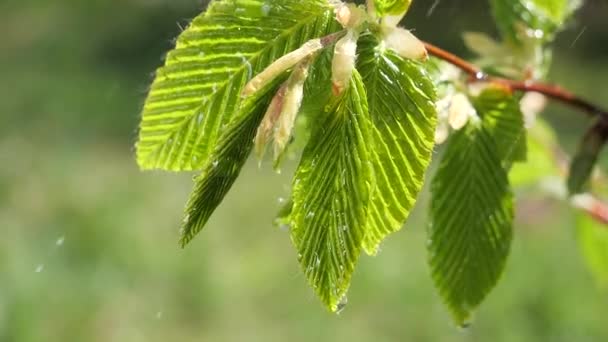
[{"x": 88, "y": 246}]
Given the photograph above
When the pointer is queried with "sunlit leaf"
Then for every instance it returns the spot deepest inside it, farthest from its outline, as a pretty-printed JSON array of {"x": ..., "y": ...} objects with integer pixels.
[
  {"x": 593, "y": 242},
  {"x": 198, "y": 90},
  {"x": 471, "y": 216},
  {"x": 401, "y": 103},
  {"x": 331, "y": 193},
  {"x": 391, "y": 7},
  {"x": 502, "y": 118}
]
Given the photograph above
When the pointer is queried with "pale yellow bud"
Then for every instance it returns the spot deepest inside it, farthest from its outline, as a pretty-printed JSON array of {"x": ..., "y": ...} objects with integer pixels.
[{"x": 404, "y": 43}]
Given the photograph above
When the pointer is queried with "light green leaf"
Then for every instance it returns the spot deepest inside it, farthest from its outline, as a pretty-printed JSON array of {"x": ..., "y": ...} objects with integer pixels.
[
  {"x": 542, "y": 162},
  {"x": 330, "y": 196},
  {"x": 198, "y": 90},
  {"x": 504, "y": 121},
  {"x": 471, "y": 217},
  {"x": 401, "y": 100},
  {"x": 593, "y": 242},
  {"x": 391, "y": 7},
  {"x": 226, "y": 162},
  {"x": 543, "y": 18},
  {"x": 586, "y": 157}
]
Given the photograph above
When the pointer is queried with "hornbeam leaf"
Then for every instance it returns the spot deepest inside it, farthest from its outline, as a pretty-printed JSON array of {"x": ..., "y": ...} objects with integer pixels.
[
  {"x": 503, "y": 119},
  {"x": 593, "y": 242},
  {"x": 331, "y": 193},
  {"x": 198, "y": 90},
  {"x": 391, "y": 7},
  {"x": 471, "y": 216},
  {"x": 226, "y": 162},
  {"x": 401, "y": 100},
  {"x": 539, "y": 19},
  {"x": 586, "y": 157}
]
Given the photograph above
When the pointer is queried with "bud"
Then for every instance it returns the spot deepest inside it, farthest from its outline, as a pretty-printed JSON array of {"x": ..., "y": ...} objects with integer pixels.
[
  {"x": 292, "y": 101},
  {"x": 343, "y": 64},
  {"x": 404, "y": 43},
  {"x": 281, "y": 65},
  {"x": 461, "y": 110}
]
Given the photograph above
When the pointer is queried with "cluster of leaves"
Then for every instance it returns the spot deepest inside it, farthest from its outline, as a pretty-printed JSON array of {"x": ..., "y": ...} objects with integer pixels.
[{"x": 367, "y": 147}]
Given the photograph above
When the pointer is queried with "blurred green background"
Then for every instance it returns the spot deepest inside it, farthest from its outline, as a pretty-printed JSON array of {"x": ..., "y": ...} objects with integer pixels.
[{"x": 88, "y": 244}]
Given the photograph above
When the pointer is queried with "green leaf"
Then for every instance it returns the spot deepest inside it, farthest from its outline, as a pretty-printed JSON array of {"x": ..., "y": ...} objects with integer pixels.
[
  {"x": 543, "y": 18},
  {"x": 471, "y": 217},
  {"x": 391, "y": 7},
  {"x": 541, "y": 162},
  {"x": 401, "y": 100},
  {"x": 198, "y": 90},
  {"x": 586, "y": 157},
  {"x": 226, "y": 162},
  {"x": 330, "y": 196},
  {"x": 503, "y": 119},
  {"x": 593, "y": 242}
]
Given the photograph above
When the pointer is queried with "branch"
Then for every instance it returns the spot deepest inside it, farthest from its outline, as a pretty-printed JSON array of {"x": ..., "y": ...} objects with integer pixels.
[
  {"x": 591, "y": 205},
  {"x": 551, "y": 91}
]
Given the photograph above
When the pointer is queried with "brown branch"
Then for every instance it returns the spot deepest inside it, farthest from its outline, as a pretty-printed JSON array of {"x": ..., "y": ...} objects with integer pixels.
[
  {"x": 591, "y": 205},
  {"x": 551, "y": 91}
]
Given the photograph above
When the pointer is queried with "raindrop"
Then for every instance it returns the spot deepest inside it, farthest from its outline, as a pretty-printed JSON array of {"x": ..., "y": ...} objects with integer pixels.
[
  {"x": 39, "y": 268},
  {"x": 215, "y": 163},
  {"x": 60, "y": 241},
  {"x": 432, "y": 8},
  {"x": 281, "y": 200},
  {"x": 159, "y": 315},
  {"x": 464, "y": 326},
  {"x": 341, "y": 304},
  {"x": 265, "y": 9}
]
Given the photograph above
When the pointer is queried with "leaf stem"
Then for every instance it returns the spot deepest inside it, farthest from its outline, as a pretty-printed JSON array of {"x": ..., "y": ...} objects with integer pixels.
[{"x": 551, "y": 91}]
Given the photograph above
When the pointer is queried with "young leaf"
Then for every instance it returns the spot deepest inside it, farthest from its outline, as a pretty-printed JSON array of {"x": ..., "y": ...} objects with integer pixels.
[
  {"x": 586, "y": 157},
  {"x": 543, "y": 18},
  {"x": 225, "y": 163},
  {"x": 502, "y": 118},
  {"x": 402, "y": 106},
  {"x": 391, "y": 7},
  {"x": 593, "y": 241},
  {"x": 471, "y": 216},
  {"x": 198, "y": 90},
  {"x": 542, "y": 161},
  {"x": 331, "y": 194}
]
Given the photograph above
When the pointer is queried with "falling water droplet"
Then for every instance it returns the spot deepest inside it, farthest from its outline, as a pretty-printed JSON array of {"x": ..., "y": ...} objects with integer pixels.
[
  {"x": 60, "y": 241},
  {"x": 39, "y": 268},
  {"x": 341, "y": 304},
  {"x": 159, "y": 315}
]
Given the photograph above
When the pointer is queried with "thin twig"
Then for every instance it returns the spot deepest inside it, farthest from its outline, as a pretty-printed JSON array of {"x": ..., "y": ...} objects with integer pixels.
[
  {"x": 594, "y": 207},
  {"x": 551, "y": 91}
]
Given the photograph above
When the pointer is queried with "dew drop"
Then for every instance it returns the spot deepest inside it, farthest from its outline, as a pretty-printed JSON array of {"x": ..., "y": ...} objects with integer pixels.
[
  {"x": 265, "y": 9},
  {"x": 59, "y": 242},
  {"x": 215, "y": 163},
  {"x": 341, "y": 304}
]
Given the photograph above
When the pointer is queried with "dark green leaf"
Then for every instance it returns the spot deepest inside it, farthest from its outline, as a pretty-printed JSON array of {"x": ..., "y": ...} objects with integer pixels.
[
  {"x": 471, "y": 217},
  {"x": 330, "y": 196},
  {"x": 225, "y": 164},
  {"x": 586, "y": 157}
]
